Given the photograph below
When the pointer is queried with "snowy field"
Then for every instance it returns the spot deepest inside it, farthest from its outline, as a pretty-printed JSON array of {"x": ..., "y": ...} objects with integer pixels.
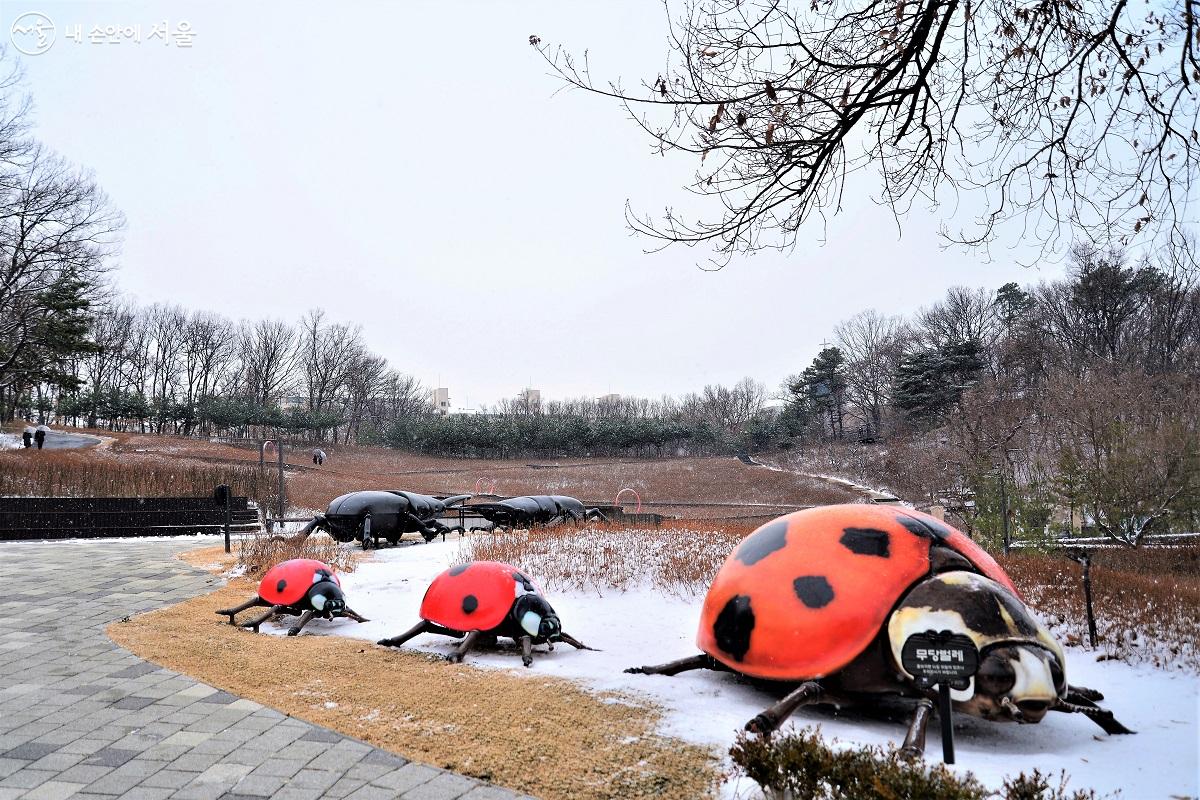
[{"x": 643, "y": 627}]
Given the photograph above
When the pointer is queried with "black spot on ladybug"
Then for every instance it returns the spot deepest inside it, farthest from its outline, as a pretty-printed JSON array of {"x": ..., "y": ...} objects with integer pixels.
[
  {"x": 762, "y": 543},
  {"x": 734, "y": 625},
  {"x": 280, "y": 586},
  {"x": 459, "y": 570},
  {"x": 866, "y": 541},
  {"x": 813, "y": 590},
  {"x": 524, "y": 581},
  {"x": 921, "y": 527},
  {"x": 470, "y": 603}
]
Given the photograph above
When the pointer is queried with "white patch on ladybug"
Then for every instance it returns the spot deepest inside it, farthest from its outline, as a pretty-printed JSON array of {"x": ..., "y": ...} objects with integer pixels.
[
  {"x": 1034, "y": 681},
  {"x": 531, "y": 623},
  {"x": 318, "y": 602},
  {"x": 318, "y": 577}
]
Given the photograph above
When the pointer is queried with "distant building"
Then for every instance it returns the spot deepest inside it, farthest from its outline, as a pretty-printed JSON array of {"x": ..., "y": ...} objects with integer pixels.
[
  {"x": 294, "y": 401},
  {"x": 441, "y": 400},
  {"x": 531, "y": 397},
  {"x": 609, "y": 399}
]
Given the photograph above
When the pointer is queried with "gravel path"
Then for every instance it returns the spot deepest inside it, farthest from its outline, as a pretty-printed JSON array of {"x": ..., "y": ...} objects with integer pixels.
[{"x": 83, "y": 718}]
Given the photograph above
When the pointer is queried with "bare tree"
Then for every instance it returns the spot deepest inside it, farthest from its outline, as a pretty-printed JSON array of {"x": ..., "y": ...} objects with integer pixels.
[
  {"x": 57, "y": 230},
  {"x": 1075, "y": 117},
  {"x": 267, "y": 352},
  {"x": 326, "y": 353},
  {"x": 873, "y": 345}
]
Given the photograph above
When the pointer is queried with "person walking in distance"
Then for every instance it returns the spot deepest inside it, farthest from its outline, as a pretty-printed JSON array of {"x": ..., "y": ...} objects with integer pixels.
[
  {"x": 27, "y": 436},
  {"x": 318, "y": 456},
  {"x": 39, "y": 435}
]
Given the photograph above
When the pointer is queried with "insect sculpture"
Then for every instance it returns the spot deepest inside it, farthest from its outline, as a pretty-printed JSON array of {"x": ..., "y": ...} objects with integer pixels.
[
  {"x": 302, "y": 587},
  {"x": 482, "y": 600},
  {"x": 369, "y": 516},
  {"x": 825, "y": 599},
  {"x": 541, "y": 509}
]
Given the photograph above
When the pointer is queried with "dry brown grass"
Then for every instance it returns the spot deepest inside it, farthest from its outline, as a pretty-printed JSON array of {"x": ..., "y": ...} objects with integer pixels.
[
  {"x": 351, "y": 468},
  {"x": 678, "y": 559},
  {"x": 259, "y": 552},
  {"x": 99, "y": 473},
  {"x": 536, "y": 734},
  {"x": 1147, "y": 601}
]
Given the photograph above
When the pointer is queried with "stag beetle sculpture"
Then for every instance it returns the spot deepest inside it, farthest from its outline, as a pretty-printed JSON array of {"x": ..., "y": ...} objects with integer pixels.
[
  {"x": 541, "y": 509},
  {"x": 369, "y": 516}
]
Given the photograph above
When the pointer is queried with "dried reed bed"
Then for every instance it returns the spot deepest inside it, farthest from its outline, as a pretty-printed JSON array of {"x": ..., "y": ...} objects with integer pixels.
[
  {"x": 49, "y": 473},
  {"x": 679, "y": 559},
  {"x": 1146, "y": 601},
  {"x": 259, "y": 552}
]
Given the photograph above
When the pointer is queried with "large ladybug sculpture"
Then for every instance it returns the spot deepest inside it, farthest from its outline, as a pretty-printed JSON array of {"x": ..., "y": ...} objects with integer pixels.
[
  {"x": 302, "y": 587},
  {"x": 481, "y": 600},
  {"x": 826, "y": 598}
]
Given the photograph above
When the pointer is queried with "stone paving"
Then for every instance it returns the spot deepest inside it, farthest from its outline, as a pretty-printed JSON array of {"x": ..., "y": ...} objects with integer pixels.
[{"x": 83, "y": 718}]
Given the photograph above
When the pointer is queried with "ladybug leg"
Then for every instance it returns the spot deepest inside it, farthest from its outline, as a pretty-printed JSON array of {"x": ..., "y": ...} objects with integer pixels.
[
  {"x": 571, "y": 640},
  {"x": 463, "y": 647},
  {"x": 421, "y": 627},
  {"x": 233, "y": 612},
  {"x": 354, "y": 615},
  {"x": 254, "y": 623},
  {"x": 914, "y": 741},
  {"x": 1102, "y": 717},
  {"x": 805, "y": 694},
  {"x": 527, "y": 650},
  {"x": 702, "y": 661},
  {"x": 300, "y": 623},
  {"x": 1082, "y": 694}
]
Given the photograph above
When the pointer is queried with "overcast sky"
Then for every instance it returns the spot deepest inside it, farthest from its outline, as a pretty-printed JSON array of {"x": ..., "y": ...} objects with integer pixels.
[{"x": 411, "y": 168}]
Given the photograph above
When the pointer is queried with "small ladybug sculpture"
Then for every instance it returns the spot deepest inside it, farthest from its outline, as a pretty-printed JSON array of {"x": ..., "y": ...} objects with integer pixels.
[
  {"x": 301, "y": 587},
  {"x": 826, "y": 598},
  {"x": 482, "y": 600}
]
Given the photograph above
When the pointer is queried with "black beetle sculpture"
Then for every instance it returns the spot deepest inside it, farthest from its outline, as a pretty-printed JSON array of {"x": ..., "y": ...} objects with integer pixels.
[
  {"x": 369, "y": 516},
  {"x": 540, "y": 509}
]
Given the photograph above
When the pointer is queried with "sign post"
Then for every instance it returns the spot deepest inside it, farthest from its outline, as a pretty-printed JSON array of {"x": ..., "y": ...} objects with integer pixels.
[
  {"x": 224, "y": 498},
  {"x": 947, "y": 660}
]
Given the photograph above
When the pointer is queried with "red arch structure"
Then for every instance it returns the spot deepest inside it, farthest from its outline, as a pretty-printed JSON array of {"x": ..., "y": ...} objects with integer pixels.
[{"x": 638, "y": 497}]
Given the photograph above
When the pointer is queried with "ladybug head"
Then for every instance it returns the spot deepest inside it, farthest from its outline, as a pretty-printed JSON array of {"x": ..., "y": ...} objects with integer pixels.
[
  {"x": 1016, "y": 683},
  {"x": 534, "y": 615},
  {"x": 1021, "y": 667},
  {"x": 326, "y": 598}
]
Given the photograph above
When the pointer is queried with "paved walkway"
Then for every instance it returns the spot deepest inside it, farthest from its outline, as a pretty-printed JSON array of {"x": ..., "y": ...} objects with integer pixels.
[{"x": 83, "y": 718}]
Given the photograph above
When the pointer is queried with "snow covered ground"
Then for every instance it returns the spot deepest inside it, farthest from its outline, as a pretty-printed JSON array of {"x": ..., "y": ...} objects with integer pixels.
[{"x": 644, "y": 627}]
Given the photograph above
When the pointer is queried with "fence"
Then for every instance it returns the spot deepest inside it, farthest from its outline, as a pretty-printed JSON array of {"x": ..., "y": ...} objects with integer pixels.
[{"x": 24, "y": 518}]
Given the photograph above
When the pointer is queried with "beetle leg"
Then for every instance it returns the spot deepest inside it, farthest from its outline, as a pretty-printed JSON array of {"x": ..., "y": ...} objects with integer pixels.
[
  {"x": 354, "y": 615},
  {"x": 527, "y": 650},
  {"x": 251, "y": 603},
  {"x": 254, "y": 623},
  {"x": 914, "y": 741},
  {"x": 300, "y": 623},
  {"x": 771, "y": 718},
  {"x": 463, "y": 647},
  {"x": 578, "y": 645},
  {"x": 416, "y": 630},
  {"x": 702, "y": 661}
]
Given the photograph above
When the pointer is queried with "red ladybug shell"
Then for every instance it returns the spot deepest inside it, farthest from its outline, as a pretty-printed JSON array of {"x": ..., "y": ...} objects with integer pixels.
[
  {"x": 804, "y": 594},
  {"x": 286, "y": 583},
  {"x": 475, "y": 596}
]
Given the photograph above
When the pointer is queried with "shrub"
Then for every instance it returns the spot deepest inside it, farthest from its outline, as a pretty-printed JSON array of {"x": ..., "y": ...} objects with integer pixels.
[
  {"x": 678, "y": 559},
  {"x": 259, "y": 552},
  {"x": 801, "y": 766}
]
